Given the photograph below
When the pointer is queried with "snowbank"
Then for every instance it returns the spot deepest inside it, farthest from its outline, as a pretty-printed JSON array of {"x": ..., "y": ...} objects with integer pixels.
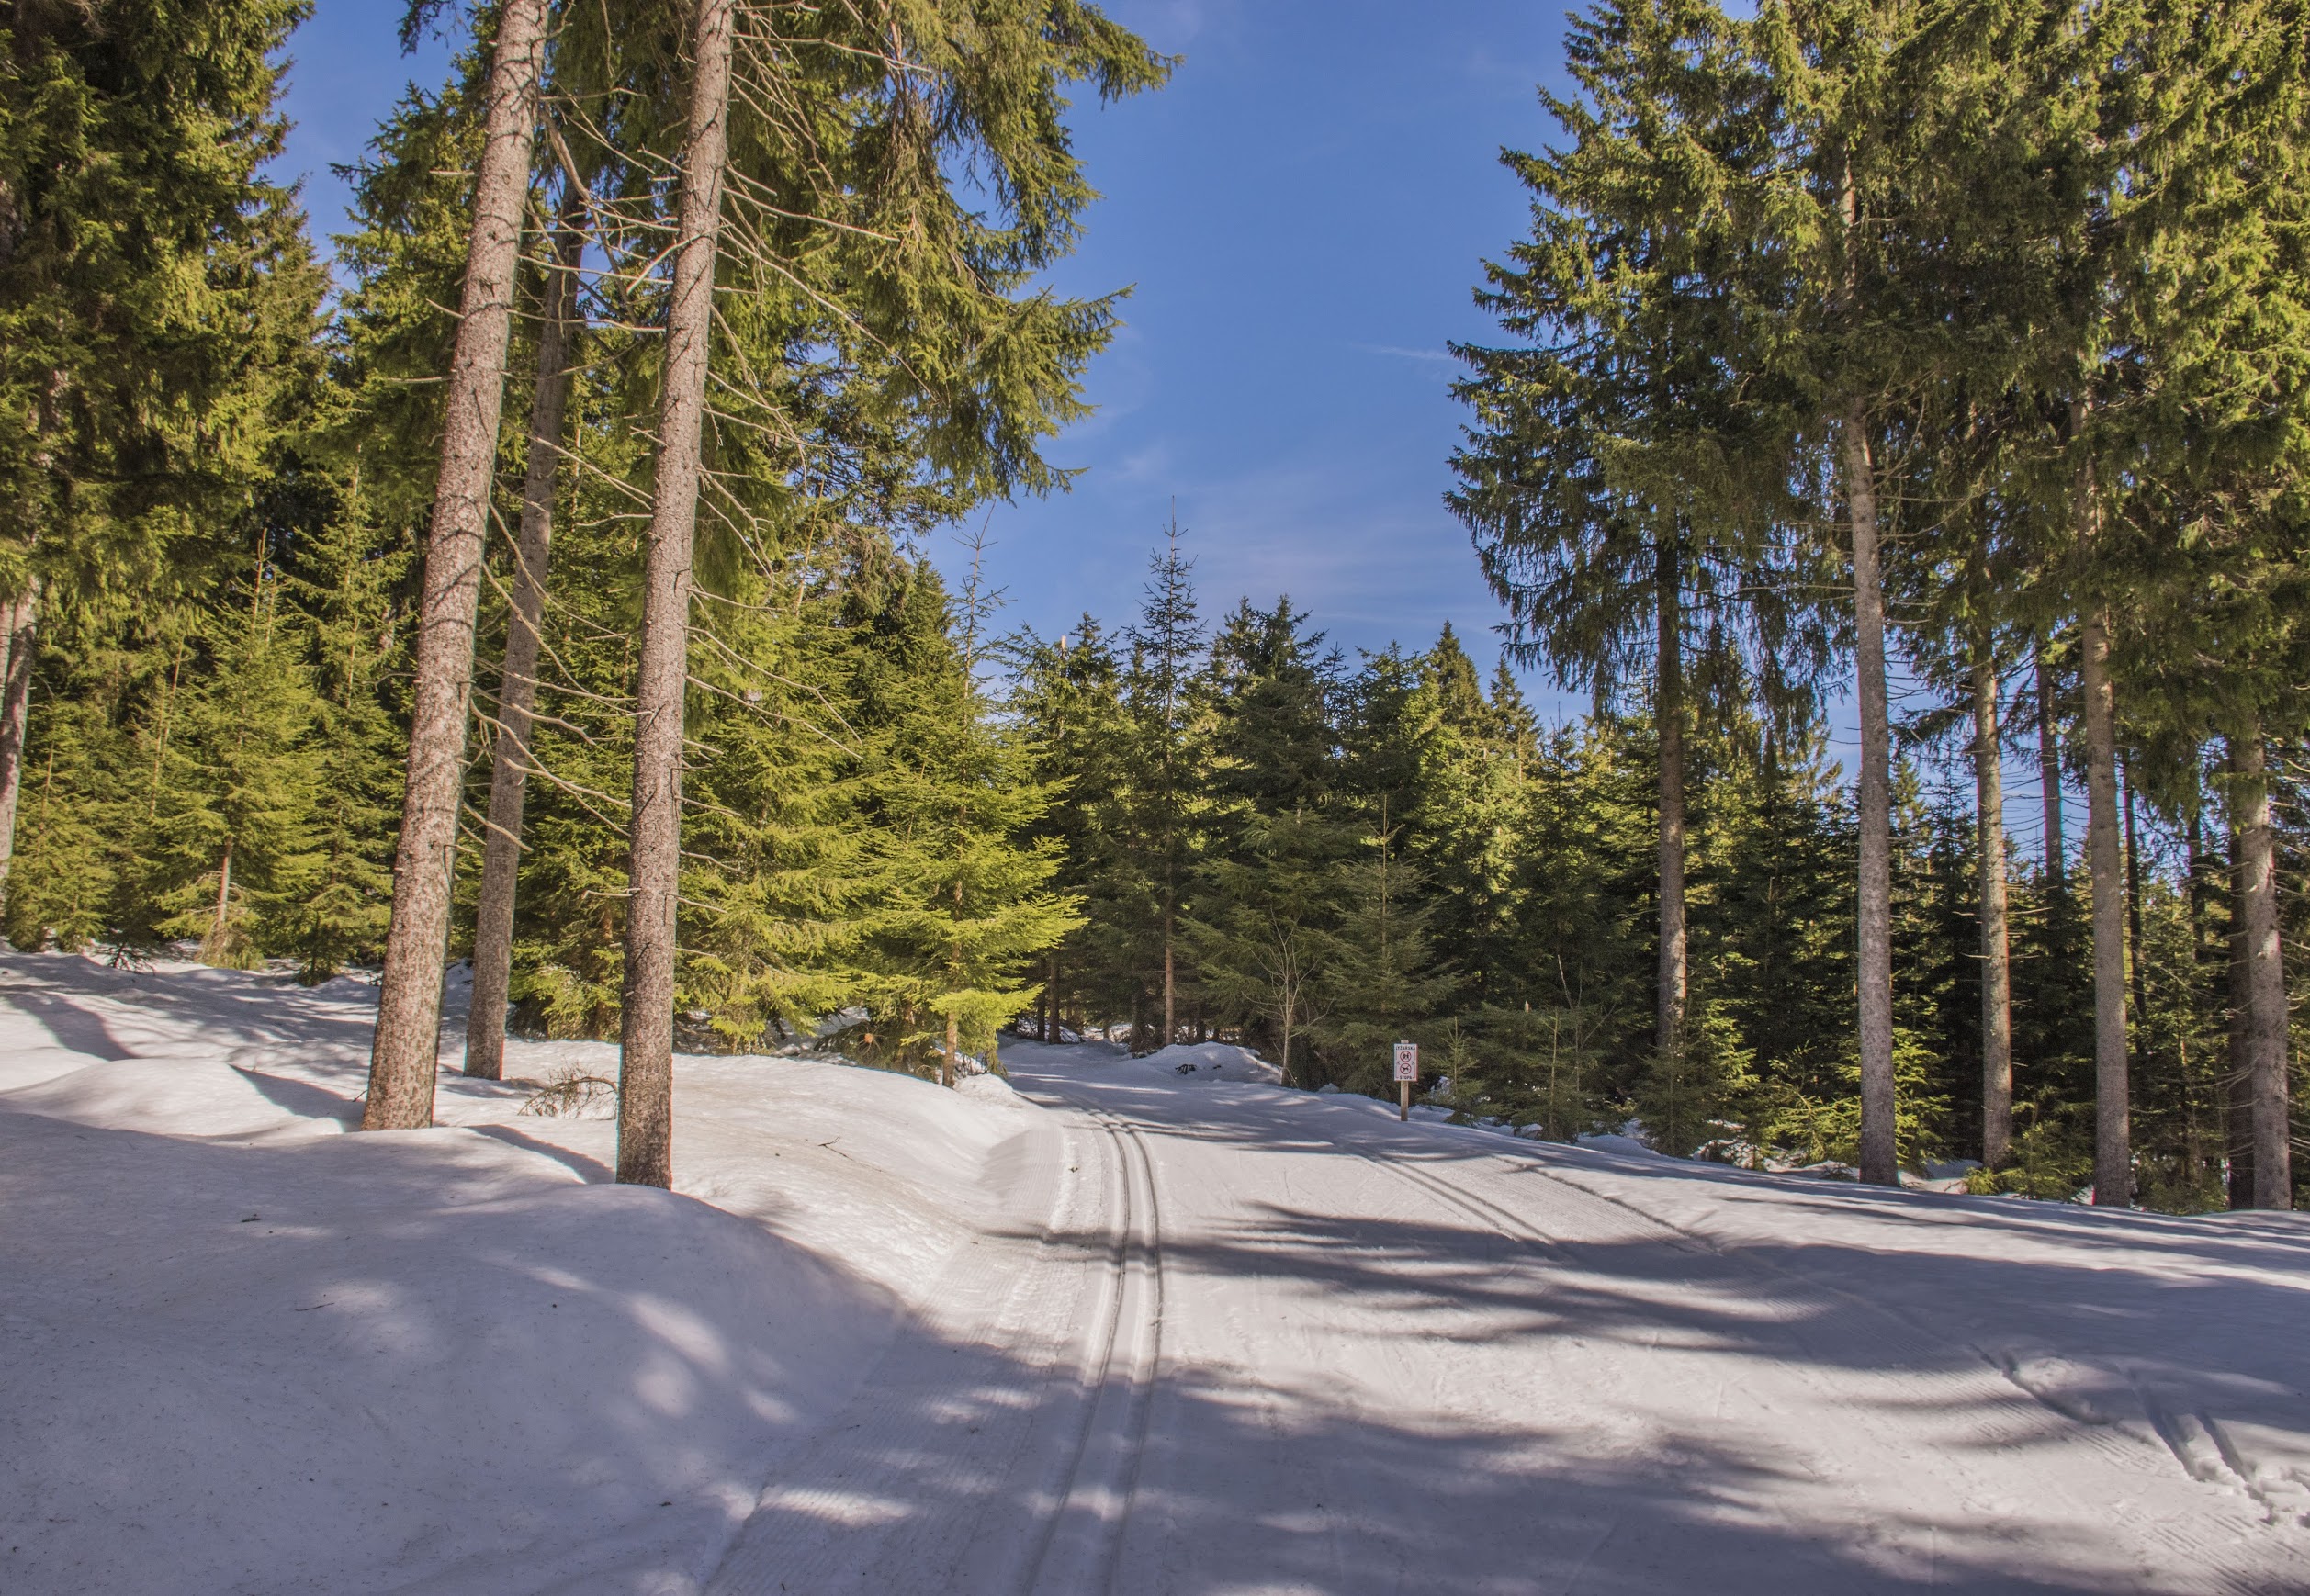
[
  {"x": 248, "y": 1353},
  {"x": 1210, "y": 1061}
]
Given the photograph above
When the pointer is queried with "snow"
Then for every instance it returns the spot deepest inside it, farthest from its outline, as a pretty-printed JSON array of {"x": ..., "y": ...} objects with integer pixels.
[
  {"x": 248, "y": 1353},
  {"x": 1206, "y": 1062},
  {"x": 1102, "y": 1326}
]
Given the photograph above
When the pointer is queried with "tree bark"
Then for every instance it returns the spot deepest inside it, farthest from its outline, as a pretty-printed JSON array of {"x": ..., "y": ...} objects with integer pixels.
[
  {"x": 2049, "y": 769},
  {"x": 2137, "y": 972},
  {"x": 517, "y": 689},
  {"x": 644, "y": 1113},
  {"x": 2237, "y": 1095},
  {"x": 2265, "y": 1029},
  {"x": 403, "y": 1059},
  {"x": 1879, "y": 1155},
  {"x": 1170, "y": 986},
  {"x": 19, "y": 639},
  {"x": 1996, "y": 1008},
  {"x": 2112, "y": 1127},
  {"x": 1668, "y": 713},
  {"x": 213, "y": 951}
]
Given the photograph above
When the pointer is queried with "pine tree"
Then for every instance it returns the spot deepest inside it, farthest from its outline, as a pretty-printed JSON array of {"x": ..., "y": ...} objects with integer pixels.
[
  {"x": 959, "y": 908},
  {"x": 235, "y": 822},
  {"x": 1167, "y": 647},
  {"x": 1089, "y": 753},
  {"x": 139, "y": 254},
  {"x": 1263, "y": 929},
  {"x": 1620, "y": 480},
  {"x": 401, "y": 1064}
]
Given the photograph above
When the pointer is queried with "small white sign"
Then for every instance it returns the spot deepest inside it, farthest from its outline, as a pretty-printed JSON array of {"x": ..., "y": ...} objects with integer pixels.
[{"x": 1407, "y": 1062}]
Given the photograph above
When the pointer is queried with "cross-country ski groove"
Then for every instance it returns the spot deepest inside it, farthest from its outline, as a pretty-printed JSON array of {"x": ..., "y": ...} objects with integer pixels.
[
  {"x": 1082, "y": 1537},
  {"x": 2202, "y": 1449}
]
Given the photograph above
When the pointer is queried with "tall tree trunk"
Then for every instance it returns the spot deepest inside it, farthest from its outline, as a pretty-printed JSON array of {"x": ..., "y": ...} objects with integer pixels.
[
  {"x": 1668, "y": 712},
  {"x": 1996, "y": 1008},
  {"x": 2136, "y": 970},
  {"x": 2113, "y": 1121},
  {"x": 2266, "y": 1041},
  {"x": 517, "y": 690},
  {"x": 213, "y": 951},
  {"x": 2049, "y": 768},
  {"x": 645, "y": 1099},
  {"x": 1879, "y": 1158},
  {"x": 947, "y": 1061},
  {"x": 401, "y": 1061},
  {"x": 19, "y": 636},
  {"x": 1170, "y": 986},
  {"x": 2237, "y": 1093}
]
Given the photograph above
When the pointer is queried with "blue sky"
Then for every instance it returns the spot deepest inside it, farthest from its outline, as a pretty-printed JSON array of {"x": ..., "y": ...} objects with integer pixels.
[{"x": 1300, "y": 215}]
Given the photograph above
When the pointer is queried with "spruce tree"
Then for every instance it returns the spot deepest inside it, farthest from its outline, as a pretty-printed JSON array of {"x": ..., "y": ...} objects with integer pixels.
[
  {"x": 140, "y": 251},
  {"x": 401, "y": 1064},
  {"x": 1167, "y": 647},
  {"x": 1621, "y": 478}
]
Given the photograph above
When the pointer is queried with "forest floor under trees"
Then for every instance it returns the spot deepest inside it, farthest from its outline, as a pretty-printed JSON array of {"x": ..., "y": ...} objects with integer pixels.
[{"x": 1131, "y": 1329}]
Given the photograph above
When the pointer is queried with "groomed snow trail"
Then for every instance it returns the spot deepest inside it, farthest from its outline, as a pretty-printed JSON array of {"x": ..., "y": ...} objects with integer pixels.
[
  {"x": 1310, "y": 1350},
  {"x": 1149, "y": 1332}
]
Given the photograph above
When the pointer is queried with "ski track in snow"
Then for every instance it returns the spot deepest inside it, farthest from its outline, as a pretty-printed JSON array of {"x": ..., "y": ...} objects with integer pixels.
[{"x": 1144, "y": 1327}]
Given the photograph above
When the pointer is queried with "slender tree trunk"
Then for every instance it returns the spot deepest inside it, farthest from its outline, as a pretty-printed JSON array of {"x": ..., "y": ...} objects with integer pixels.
[
  {"x": 2198, "y": 895},
  {"x": 2112, "y": 1127},
  {"x": 402, "y": 1059},
  {"x": 2266, "y": 1041},
  {"x": 517, "y": 690},
  {"x": 2049, "y": 768},
  {"x": 214, "y": 951},
  {"x": 19, "y": 639},
  {"x": 1668, "y": 712},
  {"x": 2138, "y": 972},
  {"x": 645, "y": 1114},
  {"x": 2238, "y": 1092},
  {"x": 1879, "y": 1156},
  {"x": 1170, "y": 986},
  {"x": 1996, "y": 1008},
  {"x": 947, "y": 1062}
]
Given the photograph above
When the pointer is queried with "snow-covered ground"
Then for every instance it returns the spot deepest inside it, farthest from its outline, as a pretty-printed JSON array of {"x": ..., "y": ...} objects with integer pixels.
[{"x": 1141, "y": 1329}]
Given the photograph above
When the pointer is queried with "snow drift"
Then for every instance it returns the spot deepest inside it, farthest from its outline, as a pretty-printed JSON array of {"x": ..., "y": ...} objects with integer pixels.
[{"x": 248, "y": 1353}]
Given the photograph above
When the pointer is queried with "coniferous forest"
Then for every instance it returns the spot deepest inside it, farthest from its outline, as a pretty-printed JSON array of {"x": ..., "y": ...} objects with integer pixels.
[{"x": 550, "y": 588}]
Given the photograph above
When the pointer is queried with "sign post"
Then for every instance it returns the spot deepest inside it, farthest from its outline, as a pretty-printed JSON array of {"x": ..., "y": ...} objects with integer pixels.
[{"x": 1407, "y": 1070}]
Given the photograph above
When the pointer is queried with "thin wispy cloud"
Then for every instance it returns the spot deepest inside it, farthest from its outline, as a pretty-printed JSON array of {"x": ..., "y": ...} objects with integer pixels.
[{"x": 1439, "y": 356}]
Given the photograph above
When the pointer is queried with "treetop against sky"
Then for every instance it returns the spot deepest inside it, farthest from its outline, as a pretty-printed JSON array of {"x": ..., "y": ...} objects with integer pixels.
[{"x": 1300, "y": 215}]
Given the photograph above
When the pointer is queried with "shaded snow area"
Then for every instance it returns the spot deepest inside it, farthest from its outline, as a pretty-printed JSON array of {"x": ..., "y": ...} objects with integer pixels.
[{"x": 1109, "y": 1326}]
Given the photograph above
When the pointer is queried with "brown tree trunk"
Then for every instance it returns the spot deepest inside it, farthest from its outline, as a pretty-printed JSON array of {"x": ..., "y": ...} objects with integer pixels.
[
  {"x": 2237, "y": 1093},
  {"x": 1879, "y": 1156},
  {"x": 19, "y": 639},
  {"x": 2138, "y": 973},
  {"x": 947, "y": 1061},
  {"x": 2265, "y": 1029},
  {"x": 517, "y": 689},
  {"x": 1170, "y": 989},
  {"x": 403, "y": 1059},
  {"x": 2112, "y": 1126},
  {"x": 2049, "y": 769},
  {"x": 213, "y": 951},
  {"x": 644, "y": 1105},
  {"x": 1996, "y": 1008},
  {"x": 1668, "y": 713}
]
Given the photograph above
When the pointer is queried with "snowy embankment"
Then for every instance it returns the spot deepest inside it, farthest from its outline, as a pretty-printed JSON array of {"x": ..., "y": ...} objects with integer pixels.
[
  {"x": 1159, "y": 1328},
  {"x": 247, "y": 1352}
]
